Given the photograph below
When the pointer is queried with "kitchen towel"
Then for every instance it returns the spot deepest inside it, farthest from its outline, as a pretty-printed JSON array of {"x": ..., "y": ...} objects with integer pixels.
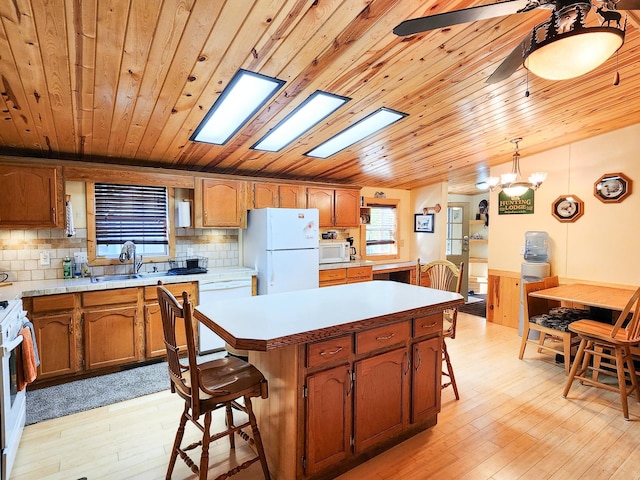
[
  {"x": 29, "y": 325},
  {"x": 69, "y": 230},
  {"x": 27, "y": 370}
]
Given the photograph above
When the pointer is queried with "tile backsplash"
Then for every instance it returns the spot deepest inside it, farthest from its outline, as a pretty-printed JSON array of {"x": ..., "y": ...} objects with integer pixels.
[{"x": 20, "y": 251}]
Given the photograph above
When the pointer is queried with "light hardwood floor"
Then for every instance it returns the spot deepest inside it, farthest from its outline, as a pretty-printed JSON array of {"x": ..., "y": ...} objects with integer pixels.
[{"x": 511, "y": 422}]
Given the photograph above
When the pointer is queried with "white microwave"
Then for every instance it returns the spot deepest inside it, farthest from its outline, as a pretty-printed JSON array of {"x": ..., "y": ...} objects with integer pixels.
[{"x": 334, "y": 252}]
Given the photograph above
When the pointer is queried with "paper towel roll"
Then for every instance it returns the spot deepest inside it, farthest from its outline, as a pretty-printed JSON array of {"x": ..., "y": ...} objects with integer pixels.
[{"x": 184, "y": 214}]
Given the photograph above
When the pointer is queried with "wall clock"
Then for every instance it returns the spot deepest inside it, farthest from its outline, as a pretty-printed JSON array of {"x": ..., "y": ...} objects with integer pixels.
[
  {"x": 612, "y": 187},
  {"x": 567, "y": 208}
]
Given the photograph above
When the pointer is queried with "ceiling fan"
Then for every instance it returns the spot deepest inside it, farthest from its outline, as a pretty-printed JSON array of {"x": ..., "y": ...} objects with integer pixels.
[{"x": 554, "y": 49}]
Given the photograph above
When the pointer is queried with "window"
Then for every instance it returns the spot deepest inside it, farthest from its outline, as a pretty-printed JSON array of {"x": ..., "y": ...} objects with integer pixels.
[
  {"x": 382, "y": 230},
  {"x": 131, "y": 212}
]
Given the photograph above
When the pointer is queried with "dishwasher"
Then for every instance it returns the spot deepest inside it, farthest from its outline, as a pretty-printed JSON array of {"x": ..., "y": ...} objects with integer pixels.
[{"x": 212, "y": 291}]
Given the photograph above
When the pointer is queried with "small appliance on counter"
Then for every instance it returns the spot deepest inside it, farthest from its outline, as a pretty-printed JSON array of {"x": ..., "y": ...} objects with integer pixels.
[
  {"x": 334, "y": 252},
  {"x": 187, "y": 266},
  {"x": 352, "y": 249}
]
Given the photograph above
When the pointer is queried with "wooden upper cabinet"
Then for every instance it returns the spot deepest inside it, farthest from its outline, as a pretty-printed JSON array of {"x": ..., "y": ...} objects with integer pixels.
[
  {"x": 347, "y": 208},
  {"x": 221, "y": 203},
  {"x": 337, "y": 207},
  {"x": 275, "y": 195},
  {"x": 323, "y": 200},
  {"x": 291, "y": 196},
  {"x": 32, "y": 197}
]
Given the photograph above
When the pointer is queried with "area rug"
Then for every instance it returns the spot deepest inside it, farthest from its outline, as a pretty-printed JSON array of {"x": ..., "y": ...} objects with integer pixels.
[
  {"x": 73, "y": 397},
  {"x": 477, "y": 308}
]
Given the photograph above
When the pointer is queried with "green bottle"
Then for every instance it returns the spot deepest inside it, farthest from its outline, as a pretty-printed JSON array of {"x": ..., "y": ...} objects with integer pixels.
[{"x": 66, "y": 267}]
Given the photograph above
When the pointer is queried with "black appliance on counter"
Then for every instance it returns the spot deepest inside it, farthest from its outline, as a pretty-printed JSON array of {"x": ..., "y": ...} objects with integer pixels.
[{"x": 188, "y": 266}]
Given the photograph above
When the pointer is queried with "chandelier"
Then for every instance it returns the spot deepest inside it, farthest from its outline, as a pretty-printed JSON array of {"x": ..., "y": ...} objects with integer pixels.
[
  {"x": 511, "y": 183},
  {"x": 563, "y": 47}
]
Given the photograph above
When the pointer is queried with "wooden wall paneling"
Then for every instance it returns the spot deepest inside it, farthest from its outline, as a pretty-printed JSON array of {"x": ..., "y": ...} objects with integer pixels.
[
  {"x": 141, "y": 26},
  {"x": 503, "y": 300},
  {"x": 112, "y": 23},
  {"x": 202, "y": 16},
  {"x": 82, "y": 37},
  {"x": 171, "y": 22},
  {"x": 52, "y": 37},
  {"x": 22, "y": 78}
]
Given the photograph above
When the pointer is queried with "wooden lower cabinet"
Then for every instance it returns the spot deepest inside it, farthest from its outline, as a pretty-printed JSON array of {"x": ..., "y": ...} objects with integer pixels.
[
  {"x": 361, "y": 393},
  {"x": 56, "y": 340},
  {"x": 154, "y": 335},
  {"x": 381, "y": 398},
  {"x": 340, "y": 276},
  {"x": 82, "y": 333},
  {"x": 328, "y": 418},
  {"x": 111, "y": 337},
  {"x": 427, "y": 379}
]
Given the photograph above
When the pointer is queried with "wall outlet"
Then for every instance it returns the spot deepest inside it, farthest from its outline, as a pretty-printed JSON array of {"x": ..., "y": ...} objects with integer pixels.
[{"x": 45, "y": 259}]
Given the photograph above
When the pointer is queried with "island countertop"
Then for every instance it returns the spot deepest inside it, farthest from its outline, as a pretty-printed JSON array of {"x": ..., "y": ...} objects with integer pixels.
[{"x": 266, "y": 322}]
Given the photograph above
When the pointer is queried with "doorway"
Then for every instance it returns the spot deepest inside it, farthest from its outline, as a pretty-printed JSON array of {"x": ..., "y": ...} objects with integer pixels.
[{"x": 458, "y": 240}]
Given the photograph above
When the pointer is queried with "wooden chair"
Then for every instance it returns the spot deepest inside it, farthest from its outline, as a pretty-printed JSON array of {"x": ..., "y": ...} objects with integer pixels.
[
  {"x": 206, "y": 388},
  {"x": 444, "y": 275},
  {"x": 551, "y": 320},
  {"x": 611, "y": 343}
]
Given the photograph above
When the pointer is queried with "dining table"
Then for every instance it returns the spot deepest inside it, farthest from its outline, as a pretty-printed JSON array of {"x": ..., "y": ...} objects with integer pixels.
[{"x": 595, "y": 296}]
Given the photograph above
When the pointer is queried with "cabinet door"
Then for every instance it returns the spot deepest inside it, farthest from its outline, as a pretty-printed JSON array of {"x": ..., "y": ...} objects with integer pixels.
[
  {"x": 426, "y": 384},
  {"x": 224, "y": 203},
  {"x": 347, "y": 208},
  {"x": 110, "y": 337},
  {"x": 291, "y": 196},
  {"x": 381, "y": 398},
  {"x": 31, "y": 197},
  {"x": 265, "y": 195},
  {"x": 56, "y": 341},
  {"x": 322, "y": 199},
  {"x": 154, "y": 335},
  {"x": 328, "y": 419}
]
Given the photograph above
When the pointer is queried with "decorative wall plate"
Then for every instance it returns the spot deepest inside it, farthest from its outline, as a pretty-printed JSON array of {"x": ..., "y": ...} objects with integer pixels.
[
  {"x": 567, "y": 208},
  {"x": 612, "y": 187}
]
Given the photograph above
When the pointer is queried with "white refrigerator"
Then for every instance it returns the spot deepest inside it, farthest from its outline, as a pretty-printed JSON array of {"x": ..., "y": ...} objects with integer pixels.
[{"x": 282, "y": 245}]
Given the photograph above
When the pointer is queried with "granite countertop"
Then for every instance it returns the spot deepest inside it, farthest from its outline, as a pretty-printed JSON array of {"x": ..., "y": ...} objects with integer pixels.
[
  {"x": 34, "y": 288},
  {"x": 296, "y": 317}
]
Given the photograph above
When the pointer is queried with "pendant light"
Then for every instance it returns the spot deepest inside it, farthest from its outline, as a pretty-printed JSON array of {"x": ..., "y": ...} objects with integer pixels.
[{"x": 511, "y": 183}]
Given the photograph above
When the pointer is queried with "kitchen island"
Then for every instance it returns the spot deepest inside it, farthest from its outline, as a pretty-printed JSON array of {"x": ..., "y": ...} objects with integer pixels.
[{"x": 352, "y": 369}]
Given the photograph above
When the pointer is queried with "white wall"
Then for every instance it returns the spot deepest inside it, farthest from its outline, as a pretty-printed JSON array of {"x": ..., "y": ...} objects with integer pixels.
[
  {"x": 601, "y": 245},
  {"x": 430, "y": 246}
]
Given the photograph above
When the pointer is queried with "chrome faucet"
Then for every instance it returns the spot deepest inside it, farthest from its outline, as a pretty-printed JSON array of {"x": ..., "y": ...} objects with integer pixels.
[{"x": 128, "y": 252}]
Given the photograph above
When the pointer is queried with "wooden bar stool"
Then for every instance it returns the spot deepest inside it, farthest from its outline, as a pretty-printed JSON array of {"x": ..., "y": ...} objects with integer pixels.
[{"x": 207, "y": 387}]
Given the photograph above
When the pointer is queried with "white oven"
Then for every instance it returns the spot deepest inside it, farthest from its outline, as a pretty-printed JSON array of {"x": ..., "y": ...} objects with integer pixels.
[
  {"x": 12, "y": 401},
  {"x": 334, "y": 252}
]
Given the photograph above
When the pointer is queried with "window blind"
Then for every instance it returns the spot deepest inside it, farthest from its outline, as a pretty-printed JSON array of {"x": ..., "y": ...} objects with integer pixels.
[
  {"x": 383, "y": 225},
  {"x": 131, "y": 212}
]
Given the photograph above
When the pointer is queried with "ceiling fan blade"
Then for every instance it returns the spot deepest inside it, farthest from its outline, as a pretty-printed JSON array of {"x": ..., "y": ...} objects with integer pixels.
[
  {"x": 466, "y": 15},
  {"x": 510, "y": 64},
  {"x": 626, "y": 5}
]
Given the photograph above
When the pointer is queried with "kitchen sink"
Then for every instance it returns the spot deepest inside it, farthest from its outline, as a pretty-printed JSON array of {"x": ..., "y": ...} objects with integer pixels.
[{"x": 130, "y": 276}]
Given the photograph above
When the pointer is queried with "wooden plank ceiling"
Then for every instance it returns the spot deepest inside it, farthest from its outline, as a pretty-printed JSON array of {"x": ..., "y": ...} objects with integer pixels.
[{"x": 128, "y": 81}]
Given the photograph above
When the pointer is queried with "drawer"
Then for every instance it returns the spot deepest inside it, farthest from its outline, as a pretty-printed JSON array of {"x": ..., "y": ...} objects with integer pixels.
[
  {"x": 328, "y": 351},
  {"x": 150, "y": 293},
  {"x": 427, "y": 325},
  {"x": 359, "y": 274},
  {"x": 52, "y": 303},
  {"x": 382, "y": 337},
  {"x": 110, "y": 297},
  {"x": 332, "y": 275}
]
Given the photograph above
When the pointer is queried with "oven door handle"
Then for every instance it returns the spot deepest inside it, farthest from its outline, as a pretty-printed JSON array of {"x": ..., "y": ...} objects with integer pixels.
[{"x": 11, "y": 346}]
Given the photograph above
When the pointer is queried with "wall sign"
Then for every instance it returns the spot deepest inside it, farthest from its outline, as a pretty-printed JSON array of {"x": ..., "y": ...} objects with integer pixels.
[{"x": 515, "y": 205}]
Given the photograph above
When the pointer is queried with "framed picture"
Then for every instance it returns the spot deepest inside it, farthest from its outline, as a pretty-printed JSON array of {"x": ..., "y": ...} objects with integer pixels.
[
  {"x": 567, "y": 208},
  {"x": 423, "y": 222},
  {"x": 612, "y": 187}
]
